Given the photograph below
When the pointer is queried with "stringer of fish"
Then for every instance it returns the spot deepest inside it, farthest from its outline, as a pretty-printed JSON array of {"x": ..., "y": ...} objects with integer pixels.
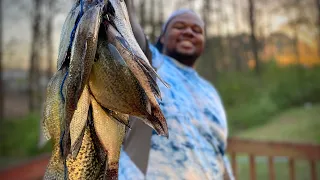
[{"x": 103, "y": 77}]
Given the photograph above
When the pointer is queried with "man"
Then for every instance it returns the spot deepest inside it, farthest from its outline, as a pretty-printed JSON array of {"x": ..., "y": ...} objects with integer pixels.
[{"x": 196, "y": 118}]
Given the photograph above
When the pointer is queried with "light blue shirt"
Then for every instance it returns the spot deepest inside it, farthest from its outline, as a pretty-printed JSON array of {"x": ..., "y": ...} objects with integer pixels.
[{"x": 197, "y": 128}]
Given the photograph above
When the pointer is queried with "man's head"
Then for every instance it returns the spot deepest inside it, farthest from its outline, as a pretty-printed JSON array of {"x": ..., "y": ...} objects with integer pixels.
[{"x": 182, "y": 37}]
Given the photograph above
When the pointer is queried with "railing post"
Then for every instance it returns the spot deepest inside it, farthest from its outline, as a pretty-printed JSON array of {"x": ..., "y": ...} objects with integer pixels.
[
  {"x": 313, "y": 169},
  {"x": 271, "y": 168},
  {"x": 252, "y": 167},
  {"x": 292, "y": 173},
  {"x": 234, "y": 165}
]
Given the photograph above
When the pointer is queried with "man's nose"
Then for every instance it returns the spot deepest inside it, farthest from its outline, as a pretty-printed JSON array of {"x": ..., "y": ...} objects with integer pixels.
[{"x": 188, "y": 31}]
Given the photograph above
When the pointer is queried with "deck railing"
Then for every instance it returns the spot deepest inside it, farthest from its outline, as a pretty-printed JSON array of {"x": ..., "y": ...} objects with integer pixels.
[
  {"x": 34, "y": 169},
  {"x": 292, "y": 151}
]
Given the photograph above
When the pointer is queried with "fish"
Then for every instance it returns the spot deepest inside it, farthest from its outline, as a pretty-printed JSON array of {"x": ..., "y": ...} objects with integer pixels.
[
  {"x": 145, "y": 79},
  {"x": 119, "y": 16},
  {"x": 51, "y": 117},
  {"x": 81, "y": 59},
  {"x": 66, "y": 35},
  {"x": 102, "y": 78}
]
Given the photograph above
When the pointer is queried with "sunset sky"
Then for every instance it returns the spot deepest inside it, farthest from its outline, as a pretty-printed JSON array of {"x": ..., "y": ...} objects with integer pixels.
[{"x": 17, "y": 18}]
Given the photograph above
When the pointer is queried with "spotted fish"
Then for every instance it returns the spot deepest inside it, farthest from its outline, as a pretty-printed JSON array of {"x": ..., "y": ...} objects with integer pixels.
[{"x": 102, "y": 78}]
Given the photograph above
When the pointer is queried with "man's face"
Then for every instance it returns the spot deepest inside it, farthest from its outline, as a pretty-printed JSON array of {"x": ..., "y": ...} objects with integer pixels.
[{"x": 184, "y": 37}]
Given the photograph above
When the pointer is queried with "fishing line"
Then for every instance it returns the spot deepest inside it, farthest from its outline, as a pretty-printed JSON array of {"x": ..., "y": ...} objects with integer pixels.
[
  {"x": 70, "y": 44},
  {"x": 76, "y": 25},
  {"x": 61, "y": 87}
]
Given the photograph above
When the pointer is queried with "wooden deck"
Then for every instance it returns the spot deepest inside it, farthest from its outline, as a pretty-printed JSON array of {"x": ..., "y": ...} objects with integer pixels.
[{"x": 34, "y": 169}]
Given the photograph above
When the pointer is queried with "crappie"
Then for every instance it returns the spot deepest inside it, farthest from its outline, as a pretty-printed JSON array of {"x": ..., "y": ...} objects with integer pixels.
[
  {"x": 82, "y": 57},
  {"x": 102, "y": 78}
]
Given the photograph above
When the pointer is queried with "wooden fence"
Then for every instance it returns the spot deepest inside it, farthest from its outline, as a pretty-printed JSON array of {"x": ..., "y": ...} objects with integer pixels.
[{"x": 35, "y": 168}]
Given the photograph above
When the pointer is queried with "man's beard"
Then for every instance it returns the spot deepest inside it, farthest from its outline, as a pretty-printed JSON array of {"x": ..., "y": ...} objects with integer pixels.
[{"x": 186, "y": 59}]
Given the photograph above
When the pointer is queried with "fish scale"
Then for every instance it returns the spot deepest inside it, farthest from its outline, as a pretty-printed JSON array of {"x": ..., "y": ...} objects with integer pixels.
[{"x": 86, "y": 165}]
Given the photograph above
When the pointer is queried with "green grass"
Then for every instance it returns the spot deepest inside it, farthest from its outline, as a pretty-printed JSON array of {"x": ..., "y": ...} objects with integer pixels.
[
  {"x": 295, "y": 125},
  {"x": 19, "y": 139}
]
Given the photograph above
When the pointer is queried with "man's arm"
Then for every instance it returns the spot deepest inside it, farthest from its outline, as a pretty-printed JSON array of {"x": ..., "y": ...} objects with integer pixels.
[{"x": 137, "y": 30}]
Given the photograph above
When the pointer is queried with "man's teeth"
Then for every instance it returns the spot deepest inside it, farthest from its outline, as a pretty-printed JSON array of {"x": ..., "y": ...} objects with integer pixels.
[{"x": 186, "y": 43}]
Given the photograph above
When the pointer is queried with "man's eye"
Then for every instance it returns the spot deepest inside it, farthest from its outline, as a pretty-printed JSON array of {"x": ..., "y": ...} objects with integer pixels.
[
  {"x": 179, "y": 26},
  {"x": 197, "y": 29}
]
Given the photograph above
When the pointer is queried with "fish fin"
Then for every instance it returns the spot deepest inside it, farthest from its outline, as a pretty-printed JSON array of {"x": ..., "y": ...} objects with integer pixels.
[
  {"x": 151, "y": 79},
  {"x": 75, "y": 147},
  {"x": 102, "y": 154},
  {"x": 124, "y": 43},
  {"x": 110, "y": 132},
  {"x": 79, "y": 121},
  {"x": 116, "y": 54},
  {"x": 45, "y": 131},
  {"x": 153, "y": 84},
  {"x": 151, "y": 70}
]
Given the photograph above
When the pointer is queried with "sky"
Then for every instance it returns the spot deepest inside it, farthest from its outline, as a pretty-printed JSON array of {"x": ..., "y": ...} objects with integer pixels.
[{"x": 17, "y": 25}]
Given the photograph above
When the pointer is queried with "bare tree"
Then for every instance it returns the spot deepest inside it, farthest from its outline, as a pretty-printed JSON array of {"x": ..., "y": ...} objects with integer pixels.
[
  {"x": 254, "y": 43},
  {"x": 235, "y": 44},
  {"x": 295, "y": 10},
  {"x": 49, "y": 29},
  {"x": 142, "y": 9},
  {"x": 206, "y": 9},
  {"x": 1, "y": 83},
  {"x": 152, "y": 21},
  {"x": 191, "y": 4},
  {"x": 318, "y": 23},
  {"x": 161, "y": 13},
  {"x": 35, "y": 56}
]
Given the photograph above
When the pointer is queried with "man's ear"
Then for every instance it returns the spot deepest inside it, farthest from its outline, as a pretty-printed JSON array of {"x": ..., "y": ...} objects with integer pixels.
[{"x": 162, "y": 39}]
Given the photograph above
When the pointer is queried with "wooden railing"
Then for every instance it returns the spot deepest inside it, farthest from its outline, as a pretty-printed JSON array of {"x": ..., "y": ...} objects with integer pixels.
[
  {"x": 292, "y": 151},
  {"x": 34, "y": 169}
]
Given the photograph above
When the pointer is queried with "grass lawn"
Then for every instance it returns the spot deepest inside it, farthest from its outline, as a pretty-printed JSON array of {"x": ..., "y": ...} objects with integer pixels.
[
  {"x": 295, "y": 125},
  {"x": 19, "y": 139}
]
